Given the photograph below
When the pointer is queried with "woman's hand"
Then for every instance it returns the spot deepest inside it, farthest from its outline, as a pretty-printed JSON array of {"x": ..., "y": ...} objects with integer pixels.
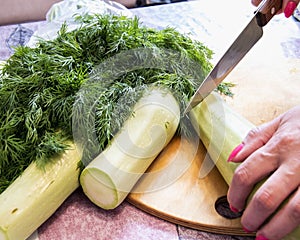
[
  {"x": 273, "y": 150},
  {"x": 288, "y": 6}
]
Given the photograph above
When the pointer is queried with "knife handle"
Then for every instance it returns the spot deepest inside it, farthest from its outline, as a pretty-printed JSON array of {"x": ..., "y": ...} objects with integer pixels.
[{"x": 267, "y": 10}]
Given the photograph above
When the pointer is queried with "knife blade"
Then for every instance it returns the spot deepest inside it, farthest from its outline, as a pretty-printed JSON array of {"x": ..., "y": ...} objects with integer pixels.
[{"x": 239, "y": 48}]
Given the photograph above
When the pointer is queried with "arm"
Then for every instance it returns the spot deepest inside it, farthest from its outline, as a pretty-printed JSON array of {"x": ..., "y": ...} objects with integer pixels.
[{"x": 15, "y": 11}]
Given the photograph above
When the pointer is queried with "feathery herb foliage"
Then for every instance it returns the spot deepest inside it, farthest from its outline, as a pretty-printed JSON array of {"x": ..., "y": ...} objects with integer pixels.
[{"x": 39, "y": 86}]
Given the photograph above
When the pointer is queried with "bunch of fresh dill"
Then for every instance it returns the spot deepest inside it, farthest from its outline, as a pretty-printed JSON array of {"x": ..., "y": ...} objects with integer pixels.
[{"x": 42, "y": 88}]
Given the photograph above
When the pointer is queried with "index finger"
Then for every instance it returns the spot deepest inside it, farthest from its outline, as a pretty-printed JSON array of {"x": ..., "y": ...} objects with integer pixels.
[{"x": 257, "y": 166}]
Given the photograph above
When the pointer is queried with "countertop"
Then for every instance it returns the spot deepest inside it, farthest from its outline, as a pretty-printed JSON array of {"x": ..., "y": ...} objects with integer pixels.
[{"x": 78, "y": 218}]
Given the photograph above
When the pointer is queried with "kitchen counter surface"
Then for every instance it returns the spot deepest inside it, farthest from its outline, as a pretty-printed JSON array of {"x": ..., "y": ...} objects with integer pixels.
[{"x": 78, "y": 218}]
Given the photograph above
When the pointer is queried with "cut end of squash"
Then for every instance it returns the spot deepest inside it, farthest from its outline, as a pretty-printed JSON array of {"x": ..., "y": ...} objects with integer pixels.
[{"x": 99, "y": 188}]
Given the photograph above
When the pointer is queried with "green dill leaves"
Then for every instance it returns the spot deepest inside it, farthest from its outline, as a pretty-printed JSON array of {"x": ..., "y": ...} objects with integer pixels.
[{"x": 43, "y": 89}]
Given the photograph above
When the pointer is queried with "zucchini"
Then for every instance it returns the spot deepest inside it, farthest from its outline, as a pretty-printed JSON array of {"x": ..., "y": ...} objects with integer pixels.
[
  {"x": 109, "y": 178},
  {"x": 221, "y": 129},
  {"x": 36, "y": 194}
]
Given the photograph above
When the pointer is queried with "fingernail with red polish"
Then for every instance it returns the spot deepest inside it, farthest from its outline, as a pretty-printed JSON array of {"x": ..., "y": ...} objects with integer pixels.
[
  {"x": 233, "y": 209},
  {"x": 261, "y": 237},
  {"x": 290, "y": 8},
  {"x": 235, "y": 152}
]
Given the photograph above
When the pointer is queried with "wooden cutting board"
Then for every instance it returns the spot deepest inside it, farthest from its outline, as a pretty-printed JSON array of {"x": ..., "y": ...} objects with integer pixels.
[{"x": 267, "y": 84}]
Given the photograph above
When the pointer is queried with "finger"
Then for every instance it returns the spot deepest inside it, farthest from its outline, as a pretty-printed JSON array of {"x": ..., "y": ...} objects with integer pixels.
[
  {"x": 255, "y": 139},
  {"x": 268, "y": 197},
  {"x": 285, "y": 220},
  {"x": 255, "y": 2},
  {"x": 288, "y": 7},
  {"x": 259, "y": 165}
]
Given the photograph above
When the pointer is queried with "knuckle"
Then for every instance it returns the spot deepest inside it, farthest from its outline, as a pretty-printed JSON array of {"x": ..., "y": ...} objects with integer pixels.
[
  {"x": 264, "y": 155},
  {"x": 265, "y": 200},
  {"x": 254, "y": 132},
  {"x": 286, "y": 139},
  {"x": 295, "y": 211},
  {"x": 241, "y": 176}
]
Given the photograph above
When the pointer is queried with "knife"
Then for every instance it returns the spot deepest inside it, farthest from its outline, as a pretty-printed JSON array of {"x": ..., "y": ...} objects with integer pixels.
[{"x": 239, "y": 48}]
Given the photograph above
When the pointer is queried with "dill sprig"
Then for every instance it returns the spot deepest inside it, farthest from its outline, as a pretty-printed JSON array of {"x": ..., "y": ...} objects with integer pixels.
[{"x": 42, "y": 89}]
